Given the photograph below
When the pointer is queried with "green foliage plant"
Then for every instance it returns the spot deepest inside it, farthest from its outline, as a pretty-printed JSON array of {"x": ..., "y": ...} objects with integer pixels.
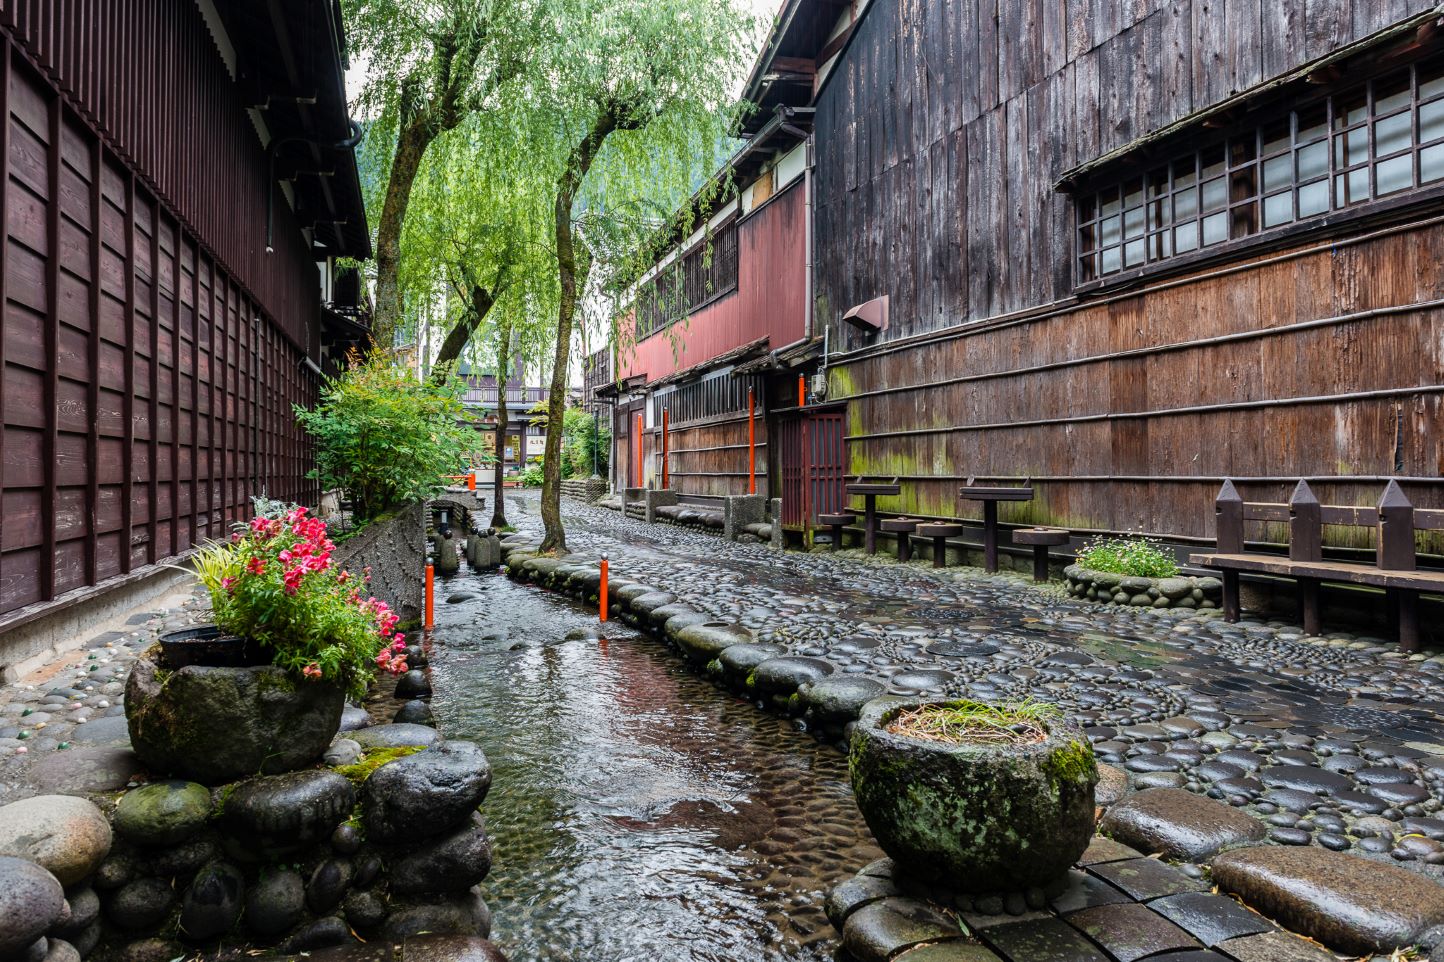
[
  {"x": 387, "y": 439},
  {"x": 274, "y": 583},
  {"x": 1133, "y": 557}
]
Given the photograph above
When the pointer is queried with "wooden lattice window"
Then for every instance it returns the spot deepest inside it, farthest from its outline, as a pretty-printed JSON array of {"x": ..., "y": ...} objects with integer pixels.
[
  {"x": 690, "y": 282},
  {"x": 1372, "y": 142}
]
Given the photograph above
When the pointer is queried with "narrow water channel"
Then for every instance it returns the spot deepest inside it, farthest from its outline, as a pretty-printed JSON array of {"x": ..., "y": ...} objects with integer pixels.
[{"x": 638, "y": 814}]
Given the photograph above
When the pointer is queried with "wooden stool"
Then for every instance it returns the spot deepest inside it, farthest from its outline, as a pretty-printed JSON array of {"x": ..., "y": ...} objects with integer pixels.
[
  {"x": 837, "y": 522},
  {"x": 940, "y": 532},
  {"x": 1041, "y": 539},
  {"x": 903, "y": 528}
]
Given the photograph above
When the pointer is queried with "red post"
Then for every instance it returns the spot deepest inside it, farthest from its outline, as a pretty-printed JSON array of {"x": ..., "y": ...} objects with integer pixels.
[
  {"x": 641, "y": 477},
  {"x": 751, "y": 446},
  {"x": 801, "y": 391},
  {"x": 665, "y": 477},
  {"x": 430, "y": 595},
  {"x": 602, "y": 594},
  {"x": 471, "y": 481}
]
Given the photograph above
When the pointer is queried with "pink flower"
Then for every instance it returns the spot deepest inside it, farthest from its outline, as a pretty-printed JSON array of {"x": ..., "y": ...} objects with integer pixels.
[
  {"x": 399, "y": 644},
  {"x": 398, "y": 665},
  {"x": 312, "y": 671},
  {"x": 229, "y": 584}
]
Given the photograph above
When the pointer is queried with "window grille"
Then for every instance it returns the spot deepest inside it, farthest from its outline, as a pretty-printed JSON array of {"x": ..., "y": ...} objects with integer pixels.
[{"x": 1372, "y": 142}]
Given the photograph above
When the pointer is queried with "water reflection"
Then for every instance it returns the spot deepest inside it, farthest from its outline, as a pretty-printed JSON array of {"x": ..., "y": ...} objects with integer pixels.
[{"x": 637, "y": 812}]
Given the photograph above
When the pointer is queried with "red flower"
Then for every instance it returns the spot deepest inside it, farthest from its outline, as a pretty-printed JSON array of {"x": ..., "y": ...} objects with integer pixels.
[
  {"x": 312, "y": 671},
  {"x": 256, "y": 566}
]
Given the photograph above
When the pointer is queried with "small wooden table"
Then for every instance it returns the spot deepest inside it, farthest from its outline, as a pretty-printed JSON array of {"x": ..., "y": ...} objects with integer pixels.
[
  {"x": 870, "y": 494},
  {"x": 1041, "y": 539},
  {"x": 940, "y": 532},
  {"x": 903, "y": 528},
  {"x": 990, "y": 496},
  {"x": 837, "y": 522}
]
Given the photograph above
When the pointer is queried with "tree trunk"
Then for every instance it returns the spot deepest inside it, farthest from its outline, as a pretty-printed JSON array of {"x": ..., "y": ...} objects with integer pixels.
[
  {"x": 458, "y": 337},
  {"x": 503, "y": 368},
  {"x": 410, "y": 148},
  {"x": 572, "y": 272}
]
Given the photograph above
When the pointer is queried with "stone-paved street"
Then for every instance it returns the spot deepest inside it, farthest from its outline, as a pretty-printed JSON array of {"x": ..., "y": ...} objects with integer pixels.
[
  {"x": 1302, "y": 775},
  {"x": 1335, "y": 741}
]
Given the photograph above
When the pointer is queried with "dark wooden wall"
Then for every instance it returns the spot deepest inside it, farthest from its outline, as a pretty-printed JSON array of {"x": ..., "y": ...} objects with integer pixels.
[
  {"x": 146, "y": 390},
  {"x": 938, "y": 142},
  {"x": 711, "y": 457}
]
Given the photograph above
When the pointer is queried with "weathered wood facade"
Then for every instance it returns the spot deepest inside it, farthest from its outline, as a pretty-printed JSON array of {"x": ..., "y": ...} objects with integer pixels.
[
  {"x": 686, "y": 370},
  {"x": 152, "y": 347},
  {"x": 941, "y": 130}
]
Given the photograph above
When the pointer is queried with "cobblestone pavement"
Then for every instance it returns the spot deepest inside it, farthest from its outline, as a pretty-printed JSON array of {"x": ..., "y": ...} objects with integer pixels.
[
  {"x": 70, "y": 716},
  {"x": 1334, "y": 741}
]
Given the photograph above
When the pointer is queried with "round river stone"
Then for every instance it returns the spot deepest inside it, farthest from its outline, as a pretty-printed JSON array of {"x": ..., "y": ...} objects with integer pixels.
[
  {"x": 31, "y": 901},
  {"x": 67, "y": 836},
  {"x": 281, "y": 812},
  {"x": 426, "y": 793},
  {"x": 163, "y": 813}
]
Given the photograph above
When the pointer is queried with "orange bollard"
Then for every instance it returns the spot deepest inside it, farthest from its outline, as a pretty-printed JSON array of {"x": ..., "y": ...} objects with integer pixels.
[
  {"x": 430, "y": 598},
  {"x": 751, "y": 446},
  {"x": 602, "y": 594},
  {"x": 471, "y": 481},
  {"x": 801, "y": 391}
]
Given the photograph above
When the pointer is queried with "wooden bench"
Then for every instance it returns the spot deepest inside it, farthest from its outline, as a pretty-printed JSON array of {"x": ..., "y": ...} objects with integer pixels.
[
  {"x": 870, "y": 493},
  {"x": 1041, "y": 539},
  {"x": 940, "y": 532},
  {"x": 837, "y": 522},
  {"x": 1395, "y": 567},
  {"x": 990, "y": 496},
  {"x": 903, "y": 528}
]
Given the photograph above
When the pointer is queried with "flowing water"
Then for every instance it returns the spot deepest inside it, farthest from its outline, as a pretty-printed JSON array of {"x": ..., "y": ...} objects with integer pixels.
[{"x": 637, "y": 812}]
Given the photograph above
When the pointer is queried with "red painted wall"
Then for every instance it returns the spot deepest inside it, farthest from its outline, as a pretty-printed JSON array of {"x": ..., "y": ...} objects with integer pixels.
[{"x": 769, "y": 300}]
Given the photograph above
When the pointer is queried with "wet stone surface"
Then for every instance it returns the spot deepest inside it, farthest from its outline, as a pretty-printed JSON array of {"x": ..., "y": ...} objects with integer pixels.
[{"x": 1317, "y": 738}]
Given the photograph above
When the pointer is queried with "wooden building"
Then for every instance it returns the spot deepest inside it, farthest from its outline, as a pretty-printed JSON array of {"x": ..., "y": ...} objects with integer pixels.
[
  {"x": 694, "y": 379},
  {"x": 178, "y": 181},
  {"x": 524, "y": 440},
  {"x": 1131, "y": 249},
  {"x": 1124, "y": 250}
]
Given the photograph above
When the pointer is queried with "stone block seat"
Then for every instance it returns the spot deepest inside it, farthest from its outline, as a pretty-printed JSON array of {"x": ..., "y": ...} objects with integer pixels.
[
  {"x": 903, "y": 528},
  {"x": 1041, "y": 540},
  {"x": 837, "y": 522},
  {"x": 940, "y": 532}
]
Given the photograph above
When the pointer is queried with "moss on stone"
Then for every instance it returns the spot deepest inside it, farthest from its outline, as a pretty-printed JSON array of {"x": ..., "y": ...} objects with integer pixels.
[
  {"x": 1071, "y": 763},
  {"x": 373, "y": 760}
]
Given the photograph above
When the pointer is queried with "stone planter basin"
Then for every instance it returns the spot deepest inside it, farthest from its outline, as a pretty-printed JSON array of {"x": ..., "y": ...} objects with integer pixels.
[
  {"x": 974, "y": 817},
  {"x": 219, "y": 724}
]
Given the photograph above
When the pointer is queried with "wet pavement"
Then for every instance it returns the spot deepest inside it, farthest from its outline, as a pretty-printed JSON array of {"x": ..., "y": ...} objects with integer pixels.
[{"x": 1335, "y": 741}]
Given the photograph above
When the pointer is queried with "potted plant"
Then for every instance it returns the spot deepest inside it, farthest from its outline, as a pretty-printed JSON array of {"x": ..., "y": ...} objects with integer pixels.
[
  {"x": 974, "y": 797},
  {"x": 262, "y": 690}
]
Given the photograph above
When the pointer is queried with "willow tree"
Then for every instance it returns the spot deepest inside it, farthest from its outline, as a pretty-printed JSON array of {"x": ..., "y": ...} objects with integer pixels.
[
  {"x": 474, "y": 242},
  {"x": 640, "y": 97},
  {"x": 431, "y": 64}
]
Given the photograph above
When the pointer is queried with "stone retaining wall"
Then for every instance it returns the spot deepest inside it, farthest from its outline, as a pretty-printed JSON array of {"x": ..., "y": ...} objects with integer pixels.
[
  {"x": 584, "y": 489},
  {"x": 1115, "y": 589},
  {"x": 394, "y": 548}
]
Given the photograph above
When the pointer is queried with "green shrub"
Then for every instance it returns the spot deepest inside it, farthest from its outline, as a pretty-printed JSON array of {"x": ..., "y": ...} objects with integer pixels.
[
  {"x": 532, "y": 477},
  {"x": 1134, "y": 557},
  {"x": 386, "y": 438}
]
